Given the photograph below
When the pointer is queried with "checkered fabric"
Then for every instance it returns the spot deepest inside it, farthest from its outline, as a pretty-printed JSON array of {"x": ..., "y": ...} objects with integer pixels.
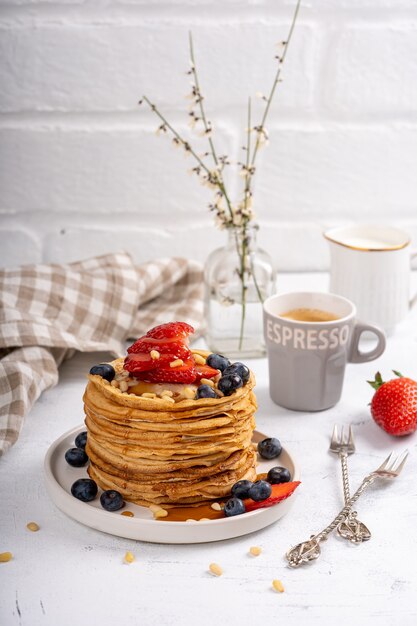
[{"x": 49, "y": 311}]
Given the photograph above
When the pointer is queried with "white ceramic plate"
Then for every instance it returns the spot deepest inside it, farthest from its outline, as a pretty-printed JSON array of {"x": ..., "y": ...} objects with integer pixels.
[{"x": 60, "y": 476}]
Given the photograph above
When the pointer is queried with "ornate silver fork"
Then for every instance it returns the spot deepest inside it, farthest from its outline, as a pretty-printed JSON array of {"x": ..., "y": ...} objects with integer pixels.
[
  {"x": 351, "y": 528},
  {"x": 310, "y": 550}
]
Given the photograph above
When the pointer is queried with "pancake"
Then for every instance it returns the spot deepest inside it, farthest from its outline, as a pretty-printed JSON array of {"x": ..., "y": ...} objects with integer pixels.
[{"x": 165, "y": 452}]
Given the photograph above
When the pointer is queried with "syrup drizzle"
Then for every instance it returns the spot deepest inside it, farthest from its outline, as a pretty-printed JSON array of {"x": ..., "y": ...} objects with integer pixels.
[{"x": 181, "y": 514}]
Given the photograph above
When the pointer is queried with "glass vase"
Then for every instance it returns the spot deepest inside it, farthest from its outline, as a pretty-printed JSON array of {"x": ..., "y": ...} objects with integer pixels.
[{"x": 238, "y": 278}]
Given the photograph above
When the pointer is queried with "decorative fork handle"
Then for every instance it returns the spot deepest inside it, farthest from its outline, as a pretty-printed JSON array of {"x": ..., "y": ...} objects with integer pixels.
[
  {"x": 310, "y": 550},
  {"x": 350, "y": 528},
  {"x": 345, "y": 476}
]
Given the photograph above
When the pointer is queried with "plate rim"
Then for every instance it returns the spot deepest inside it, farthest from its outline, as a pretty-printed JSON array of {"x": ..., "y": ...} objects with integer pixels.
[{"x": 53, "y": 484}]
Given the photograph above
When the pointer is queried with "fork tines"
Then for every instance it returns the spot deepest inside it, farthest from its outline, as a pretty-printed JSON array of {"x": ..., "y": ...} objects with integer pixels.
[
  {"x": 338, "y": 441},
  {"x": 394, "y": 463}
]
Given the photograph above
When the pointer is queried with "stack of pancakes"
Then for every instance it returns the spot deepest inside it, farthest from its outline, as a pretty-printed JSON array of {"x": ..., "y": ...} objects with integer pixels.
[{"x": 154, "y": 451}]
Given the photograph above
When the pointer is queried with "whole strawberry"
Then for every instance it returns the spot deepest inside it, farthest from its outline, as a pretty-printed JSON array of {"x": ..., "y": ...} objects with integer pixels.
[{"x": 394, "y": 405}]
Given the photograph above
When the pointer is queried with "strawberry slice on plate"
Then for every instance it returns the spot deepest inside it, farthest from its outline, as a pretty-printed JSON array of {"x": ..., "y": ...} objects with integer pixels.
[{"x": 279, "y": 492}]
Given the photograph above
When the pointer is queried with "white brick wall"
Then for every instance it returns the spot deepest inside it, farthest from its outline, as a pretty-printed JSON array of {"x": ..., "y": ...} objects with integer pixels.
[{"x": 82, "y": 171}]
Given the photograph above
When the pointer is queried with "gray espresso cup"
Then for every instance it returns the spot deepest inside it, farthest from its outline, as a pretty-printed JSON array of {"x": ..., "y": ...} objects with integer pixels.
[{"x": 310, "y": 337}]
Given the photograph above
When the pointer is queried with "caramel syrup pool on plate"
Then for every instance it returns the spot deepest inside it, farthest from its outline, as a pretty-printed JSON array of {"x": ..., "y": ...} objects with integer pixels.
[{"x": 181, "y": 514}]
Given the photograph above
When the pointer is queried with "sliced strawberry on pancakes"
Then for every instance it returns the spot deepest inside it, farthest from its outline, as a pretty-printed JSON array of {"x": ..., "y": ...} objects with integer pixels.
[
  {"x": 138, "y": 363},
  {"x": 205, "y": 371},
  {"x": 166, "y": 338},
  {"x": 171, "y": 330},
  {"x": 185, "y": 373},
  {"x": 177, "y": 349},
  {"x": 142, "y": 362},
  {"x": 170, "y": 342}
]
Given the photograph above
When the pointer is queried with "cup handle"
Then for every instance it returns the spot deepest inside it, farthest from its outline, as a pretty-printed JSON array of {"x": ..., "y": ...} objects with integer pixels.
[
  {"x": 413, "y": 300},
  {"x": 356, "y": 355}
]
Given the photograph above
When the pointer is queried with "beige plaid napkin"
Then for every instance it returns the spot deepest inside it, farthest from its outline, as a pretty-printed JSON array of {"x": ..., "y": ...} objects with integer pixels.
[{"x": 49, "y": 311}]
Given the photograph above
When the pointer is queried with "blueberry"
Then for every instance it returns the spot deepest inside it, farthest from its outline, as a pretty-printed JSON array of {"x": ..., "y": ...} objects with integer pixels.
[
  {"x": 261, "y": 490},
  {"x": 76, "y": 457},
  {"x": 269, "y": 448},
  {"x": 234, "y": 506},
  {"x": 228, "y": 384},
  {"x": 111, "y": 500},
  {"x": 81, "y": 440},
  {"x": 205, "y": 391},
  {"x": 84, "y": 489},
  {"x": 277, "y": 475},
  {"x": 240, "y": 369},
  {"x": 218, "y": 361},
  {"x": 241, "y": 488},
  {"x": 105, "y": 370}
]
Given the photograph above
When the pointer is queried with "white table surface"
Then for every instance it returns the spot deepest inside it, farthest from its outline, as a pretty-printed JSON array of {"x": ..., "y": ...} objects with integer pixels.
[{"x": 68, "y": 574}]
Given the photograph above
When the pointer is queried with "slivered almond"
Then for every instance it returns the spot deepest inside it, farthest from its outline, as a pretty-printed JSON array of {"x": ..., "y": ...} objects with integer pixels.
[
  {"x": 148, "y": 394},
  {"x": 167, "y": 392},
  {"x": 158, "y": 511},
  {"x": 168, "y": 399},
  {"x": 215, "y": 569},
  {"x": 154, "y": 355},
  {"x": 207, "y": 381},
  {"x": 255, "y": 550},
  {"x": 115, "y": 383},
  {"x": 200, "y": 360},
  {"x": 176, "y": 363},
  {"x": 123, "y": 386},
  {"x": 129, "y": 558},
  {"x": 277, "y": 586},
  {"x": 188, "y": 392},
  {"x": 216, "y": 506}
]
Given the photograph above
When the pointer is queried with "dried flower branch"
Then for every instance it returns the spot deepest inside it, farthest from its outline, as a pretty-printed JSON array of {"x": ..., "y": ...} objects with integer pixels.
[
  {"x": 281, "y": 61},
  {"x": 199, "y": 100},
  {"x": 227, "y": 215}
]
